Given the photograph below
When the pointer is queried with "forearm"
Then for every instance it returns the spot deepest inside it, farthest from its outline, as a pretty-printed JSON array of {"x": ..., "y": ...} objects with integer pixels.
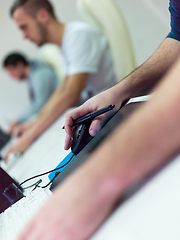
[
  {"x": 145, "y": 141},
  {"x": 56, "y": 106},
  {"x": 142, "y": 80}
]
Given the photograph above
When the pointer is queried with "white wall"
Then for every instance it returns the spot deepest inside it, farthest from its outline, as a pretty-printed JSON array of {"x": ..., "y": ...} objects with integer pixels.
[{"x": 148, "y": 21}]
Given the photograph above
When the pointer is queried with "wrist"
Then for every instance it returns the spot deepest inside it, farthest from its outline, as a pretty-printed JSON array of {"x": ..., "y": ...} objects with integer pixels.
[
  {"x": 30, "y": 136},
  {"x": 124, "y": 90},
  {"x": 35, "y": 129},
  {"x": 118, "y": 95}
]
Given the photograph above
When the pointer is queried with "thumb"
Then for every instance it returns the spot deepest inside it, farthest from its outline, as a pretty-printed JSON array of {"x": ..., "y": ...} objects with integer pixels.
[
  {"x": 18, "y": 131},
  {"x": 96, "y": 126},
  {"x": 67, "y": 144}
]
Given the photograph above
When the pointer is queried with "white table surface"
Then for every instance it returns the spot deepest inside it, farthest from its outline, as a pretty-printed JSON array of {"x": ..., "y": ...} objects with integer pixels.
[{"x": 43, "y": 155}]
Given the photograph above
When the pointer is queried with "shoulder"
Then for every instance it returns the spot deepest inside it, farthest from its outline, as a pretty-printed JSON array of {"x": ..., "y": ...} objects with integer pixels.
[
  {"x": 77, "y": 26},
  {"x": 77, "y": 29},
  {"x": 174, "y": 7},
  {"x": 40, "y": 70},
  {"x": 38, "y": 66}
]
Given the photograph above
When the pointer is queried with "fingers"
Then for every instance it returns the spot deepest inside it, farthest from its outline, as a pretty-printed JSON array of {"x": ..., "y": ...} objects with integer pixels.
[
  {"x": 9, "y": 151},
  {"x": 90, "y": 106},
  {"x": 11, "y": 154},
  {"x": 12, "y": 127},
  {"x": 67, "y": 144},
  {"x": 21, "y": 128},
  {"x": 17, "y": 132},
  {"x": 5, "y": 157},
  {"x": 68, "y": 129},
  {"x": 18, "y": 147},
  {"x": 96, "y": 126},
  {"x": 73, "y": 115},
  {"x": 70, "y": 117},
  {"x": 68, "y": 125}
]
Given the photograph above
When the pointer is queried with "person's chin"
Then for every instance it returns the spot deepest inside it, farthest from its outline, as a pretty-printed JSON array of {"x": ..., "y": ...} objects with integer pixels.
[
  {"x": 22, "y": 79},
  {"x": 35, "y": 42},
  {"x": 41, "y": 44},
  {"x": 38, "y": 44}
]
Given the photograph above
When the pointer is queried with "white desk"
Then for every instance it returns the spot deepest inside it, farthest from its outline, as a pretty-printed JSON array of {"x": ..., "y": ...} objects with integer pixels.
[
  {"x": 43, "y": 155},
  {"x": 153, "y": 213}
]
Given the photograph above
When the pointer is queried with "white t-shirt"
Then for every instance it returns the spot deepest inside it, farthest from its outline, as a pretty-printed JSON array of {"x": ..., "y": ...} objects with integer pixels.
[{"x": 86, "y": 50}]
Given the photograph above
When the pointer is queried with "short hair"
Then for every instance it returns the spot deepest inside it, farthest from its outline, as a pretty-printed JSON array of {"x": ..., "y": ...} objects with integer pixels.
[
  {"x": 13, "y": 59},
  {"x": 33, "y": 6}
]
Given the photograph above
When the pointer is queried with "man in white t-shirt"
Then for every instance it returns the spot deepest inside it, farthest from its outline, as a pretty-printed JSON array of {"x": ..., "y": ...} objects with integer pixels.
[
  {"x": 85, "y": 49},
  {"x": 86, "y": 56}
]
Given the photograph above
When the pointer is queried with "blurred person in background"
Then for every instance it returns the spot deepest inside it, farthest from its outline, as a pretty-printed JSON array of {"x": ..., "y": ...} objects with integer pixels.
[{"x": 42, "y": 82}]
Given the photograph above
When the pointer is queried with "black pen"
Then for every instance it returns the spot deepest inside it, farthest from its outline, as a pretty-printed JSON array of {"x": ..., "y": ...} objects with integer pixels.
[{"x": 92, "y": 115}]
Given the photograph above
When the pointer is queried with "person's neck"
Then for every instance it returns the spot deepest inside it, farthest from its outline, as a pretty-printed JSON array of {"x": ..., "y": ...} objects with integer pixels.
[{"x": 56, "y": 32}]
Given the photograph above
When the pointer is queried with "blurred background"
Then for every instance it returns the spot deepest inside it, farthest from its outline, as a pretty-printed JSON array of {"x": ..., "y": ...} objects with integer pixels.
[{"x": 147, "y": 20}]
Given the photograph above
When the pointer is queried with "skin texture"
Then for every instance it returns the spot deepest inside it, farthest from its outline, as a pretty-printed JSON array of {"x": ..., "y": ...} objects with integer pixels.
[{"x": 114, "y": 168}]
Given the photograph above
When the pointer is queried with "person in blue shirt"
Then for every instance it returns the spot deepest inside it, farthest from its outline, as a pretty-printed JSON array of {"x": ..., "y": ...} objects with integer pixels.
[
  {"x": 42, "y": 82},
  {"x": 174, "y": 8}
]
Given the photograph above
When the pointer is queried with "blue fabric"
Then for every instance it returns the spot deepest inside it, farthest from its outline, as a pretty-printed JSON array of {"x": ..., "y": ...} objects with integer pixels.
[
  {"x": 174, "y": 8},
  {"x": 42, "y": 83}
]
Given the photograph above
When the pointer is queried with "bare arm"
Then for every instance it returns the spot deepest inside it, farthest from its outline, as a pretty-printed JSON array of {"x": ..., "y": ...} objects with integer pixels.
[
  {"x": 149, "y": 138},
  {"x": 139, "y": 82},
  {"x": 144, "y": 78},
  {"x": 64, "y": 97}
]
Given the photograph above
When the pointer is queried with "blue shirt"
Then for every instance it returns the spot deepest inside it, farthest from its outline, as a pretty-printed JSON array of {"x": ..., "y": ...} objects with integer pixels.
[
  {"x": 42, "y": 82},
  {"x": 174, "y": 8}
]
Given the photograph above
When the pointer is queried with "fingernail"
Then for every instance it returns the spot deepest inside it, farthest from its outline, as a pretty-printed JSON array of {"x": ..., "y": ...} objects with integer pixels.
[{"x": 93, "y": 132}]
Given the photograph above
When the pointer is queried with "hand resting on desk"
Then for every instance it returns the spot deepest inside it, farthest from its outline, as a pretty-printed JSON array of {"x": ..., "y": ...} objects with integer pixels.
[{"x": 100, "y": 101}]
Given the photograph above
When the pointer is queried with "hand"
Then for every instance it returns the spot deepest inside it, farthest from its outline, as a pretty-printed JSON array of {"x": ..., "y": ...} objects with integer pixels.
[
  {"x": 12, "y": 126},
  {"x": 19, "y": 146},
  {"x": 75, "y": 211},
  {"x": 21, "y": 128},
  {"x": 101, "y": 100}
]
